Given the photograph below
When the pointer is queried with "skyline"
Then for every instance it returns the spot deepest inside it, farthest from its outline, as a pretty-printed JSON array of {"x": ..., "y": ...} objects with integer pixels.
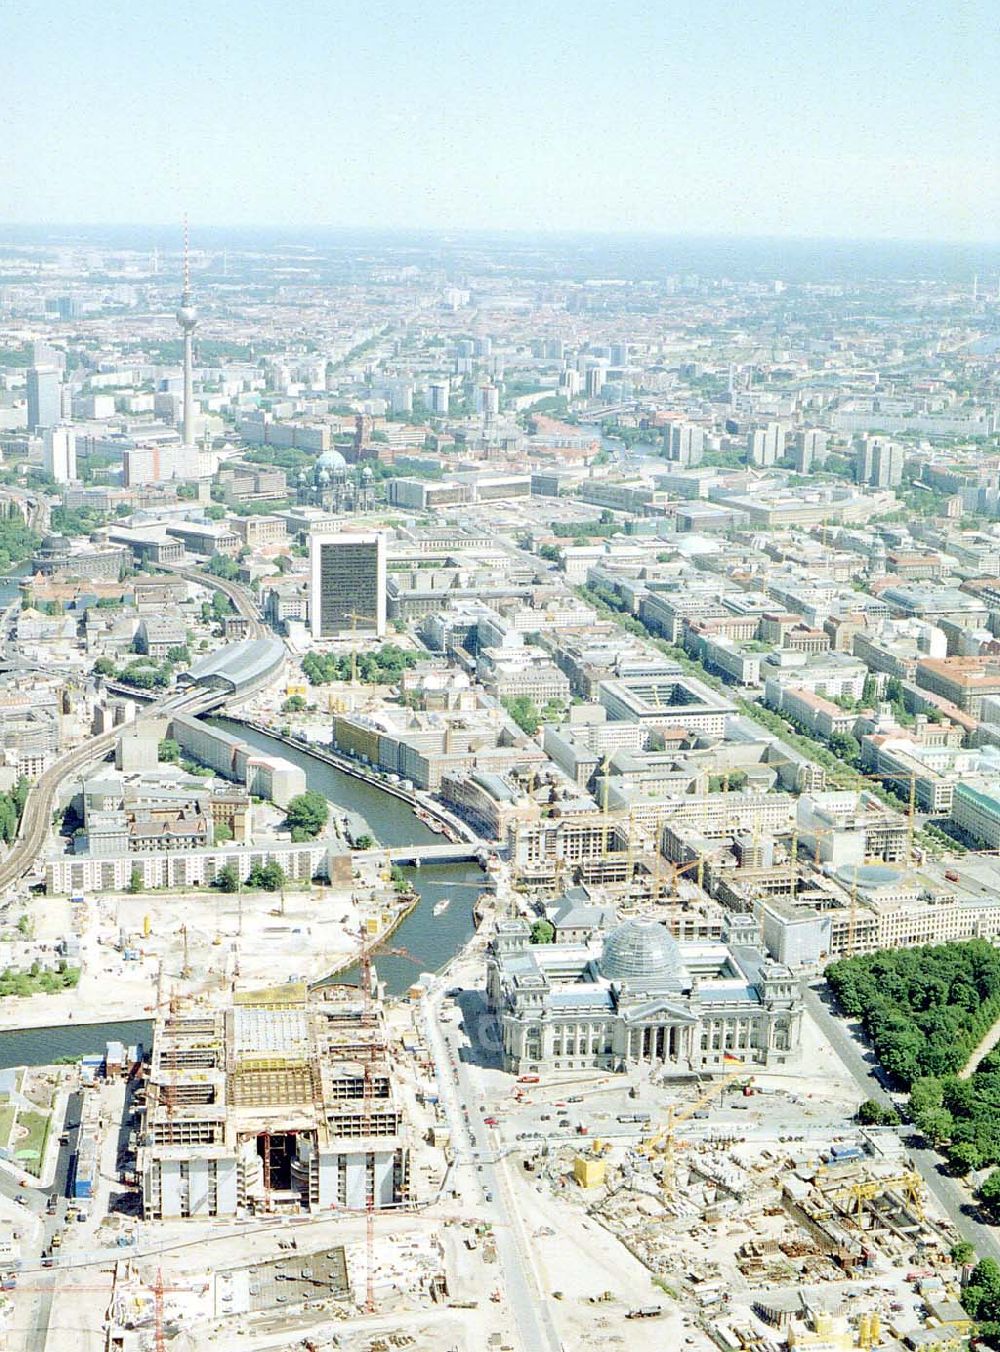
[{"x": 661, "y": 122}]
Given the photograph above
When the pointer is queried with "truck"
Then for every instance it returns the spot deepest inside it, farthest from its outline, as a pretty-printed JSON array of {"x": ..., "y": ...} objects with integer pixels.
[{"x": 529, "y": 1079}]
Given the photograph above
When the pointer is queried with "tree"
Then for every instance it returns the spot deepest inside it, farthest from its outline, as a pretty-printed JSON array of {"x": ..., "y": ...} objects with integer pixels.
[
  {"x": 524, "y": 713},
  {"x": 936, "y": 1124},
  {"x": 169, "y": 751},
  {"x": 136, "y": 882},
  {"x": 179, "y": 653},
  {"x": 222, "y": 833},
  {"x": 989, "y": 1195},
  {"x": 294, "y": 704},
  {"x": 307, "y": 813},
  {"x": 228, "y": 879},
  {"x": 8, "y": 818},
  {"x": 104, "y": 667},
  {"x": 845, "y": 747},
  {"x": 542, "y": 932},
  {"x": 963, "y": 1253},
  {"x": 269, "y": 877},
  {"x": 221, "y": 565},
  {"x": 981, "y": 1296},
  {"x": 872, "y": 1114},
  {"x": 364, "y": 842},
  {"x": 221, "y": 605}
]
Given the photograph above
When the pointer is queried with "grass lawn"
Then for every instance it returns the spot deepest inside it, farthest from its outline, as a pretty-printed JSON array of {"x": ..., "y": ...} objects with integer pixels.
[
  {"x": 37, "y": 1126},
  {"x": 7, "y": 1113}
]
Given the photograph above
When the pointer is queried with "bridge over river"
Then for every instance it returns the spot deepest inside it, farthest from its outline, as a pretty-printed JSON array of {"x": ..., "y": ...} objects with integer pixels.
[{"x": 448, "y": 852}]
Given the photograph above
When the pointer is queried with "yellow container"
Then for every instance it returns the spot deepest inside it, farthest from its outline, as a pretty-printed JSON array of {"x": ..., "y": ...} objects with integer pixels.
[{"x": 588, "y": 1172}]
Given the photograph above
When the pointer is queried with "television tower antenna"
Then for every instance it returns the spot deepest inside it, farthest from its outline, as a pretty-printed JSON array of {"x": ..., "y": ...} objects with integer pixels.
[{"x": 187, "y": 318}]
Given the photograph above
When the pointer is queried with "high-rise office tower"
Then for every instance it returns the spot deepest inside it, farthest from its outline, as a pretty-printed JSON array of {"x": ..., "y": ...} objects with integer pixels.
[
  {"x": 438, "y": 393},
  {"x": 684, "y": 443},
  {"x": 44, "y": 398},
  {"x": 879, "y": 462},
  {"x": 595, "y": 381},
  {"x": 187, "y": 318},
  {"x": 765, "y": 445},
  {"x": 401, "y": 396},
  {"x": 44, "y": 354},
  {"x": 488, "y": 401},
  {"x": 619, "y": 354},
  {"x": 59, "y": 455},
  {"x": 347, "y": 584},
  {"x": 810, "y": 450}
]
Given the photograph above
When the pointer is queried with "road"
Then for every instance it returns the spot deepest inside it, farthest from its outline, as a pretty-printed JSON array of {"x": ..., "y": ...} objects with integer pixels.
[
  {"x": 952, "y": 1199},
  {"x": 457, "y": 1090},
  {"x": 38, "y": 1310}
]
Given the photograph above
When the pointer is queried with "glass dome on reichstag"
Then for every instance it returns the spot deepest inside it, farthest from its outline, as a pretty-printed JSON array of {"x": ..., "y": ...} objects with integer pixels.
[{"x": 640, "y": 949}]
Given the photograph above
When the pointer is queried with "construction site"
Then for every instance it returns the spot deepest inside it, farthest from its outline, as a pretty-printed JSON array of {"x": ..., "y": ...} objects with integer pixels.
[
  {"x": 756, "y": 1241},
  {"x": 282, "y": 1102}
]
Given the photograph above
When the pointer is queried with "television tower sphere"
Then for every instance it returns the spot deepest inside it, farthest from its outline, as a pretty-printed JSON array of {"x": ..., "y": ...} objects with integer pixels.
[{"x": 187, "y": 317}]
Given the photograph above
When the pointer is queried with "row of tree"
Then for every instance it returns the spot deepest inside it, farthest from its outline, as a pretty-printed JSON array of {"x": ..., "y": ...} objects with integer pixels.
[
  {"x": 925, "y": 1010},
  {"x": 12, "y": 803},
  {"x": 384, "y": 667},
  {"x": 262, "y": 877}
]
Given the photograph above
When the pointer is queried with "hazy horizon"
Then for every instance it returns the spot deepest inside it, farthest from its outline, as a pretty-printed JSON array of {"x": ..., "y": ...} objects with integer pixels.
[
  {"x": 781, "y": 122},
  {"x": 340, "y": 252}
]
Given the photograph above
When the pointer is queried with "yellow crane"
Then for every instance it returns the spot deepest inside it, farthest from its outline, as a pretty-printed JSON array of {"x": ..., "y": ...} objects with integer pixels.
[
  {"x": 663, "y": 1141},
  {"x": 861, "y": 1194}
]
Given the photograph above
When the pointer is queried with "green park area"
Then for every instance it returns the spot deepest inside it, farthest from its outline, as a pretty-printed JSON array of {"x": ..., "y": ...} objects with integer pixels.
[
  {"x": 930, "y": 1014},
  {"x": 25, "y": 1119},
  {"x": 925, "y": 1011}
]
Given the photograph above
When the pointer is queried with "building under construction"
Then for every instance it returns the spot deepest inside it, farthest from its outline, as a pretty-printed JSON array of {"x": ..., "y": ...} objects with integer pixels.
[{"x": 282, "y": 1101}]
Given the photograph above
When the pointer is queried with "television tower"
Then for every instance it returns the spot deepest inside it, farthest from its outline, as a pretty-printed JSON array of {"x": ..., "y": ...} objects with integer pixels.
[{"x": 187, "y": 318}]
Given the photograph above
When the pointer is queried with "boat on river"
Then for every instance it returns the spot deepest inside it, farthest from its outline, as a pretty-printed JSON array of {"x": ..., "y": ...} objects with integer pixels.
[{"x": 441, "y": 906}]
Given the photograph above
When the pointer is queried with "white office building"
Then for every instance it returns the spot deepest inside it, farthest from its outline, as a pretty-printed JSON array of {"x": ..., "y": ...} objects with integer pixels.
[{"x": 59, "y": 455}]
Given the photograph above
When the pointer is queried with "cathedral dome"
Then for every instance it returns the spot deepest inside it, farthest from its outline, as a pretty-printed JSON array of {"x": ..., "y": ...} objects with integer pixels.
[
  {"x": 639, "y": 949},
  {"x": 331, "y": 460}
]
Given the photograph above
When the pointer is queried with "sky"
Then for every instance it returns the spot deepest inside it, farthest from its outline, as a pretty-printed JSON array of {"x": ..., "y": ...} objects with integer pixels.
[{"x": 804, "y": 118}]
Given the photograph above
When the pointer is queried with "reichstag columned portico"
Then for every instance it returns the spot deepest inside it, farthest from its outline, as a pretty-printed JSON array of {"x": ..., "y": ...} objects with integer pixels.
[{"x": 636, "y": 996}]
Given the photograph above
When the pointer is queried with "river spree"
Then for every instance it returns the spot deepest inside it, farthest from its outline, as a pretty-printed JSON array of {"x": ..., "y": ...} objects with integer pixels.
[
  {"x": 45, "y": 1046},
  {"x": 430, "y": 939}
]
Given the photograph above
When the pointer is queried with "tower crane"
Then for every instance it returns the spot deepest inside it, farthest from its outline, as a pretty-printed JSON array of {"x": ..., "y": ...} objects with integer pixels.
[{"x": 662, "y": 1142}]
